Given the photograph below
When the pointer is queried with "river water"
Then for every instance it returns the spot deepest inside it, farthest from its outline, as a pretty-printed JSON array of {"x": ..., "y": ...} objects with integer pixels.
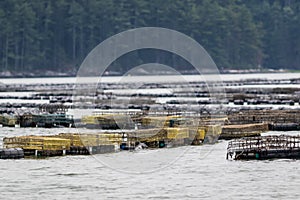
[
  {"x": 201, "y": 172},
  {"x": 191, "y": 172}
]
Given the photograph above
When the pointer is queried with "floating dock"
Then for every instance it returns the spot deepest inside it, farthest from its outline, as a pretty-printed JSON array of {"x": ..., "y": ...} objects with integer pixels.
[
  {"x": 8, "y": 120},
  {"x": 243, "y": 130},
  {"x": 12, "y": 153},
  {"x": 264, "y": 147},
  {"x": 277, "y": 120},
  {"x": 108, "y": 142},
  {"x": 265, "y": 116},
  {"x": 46, "y": 120},
  {"x": 63, "y": 144},
  {"x": 107, "y": 121}
]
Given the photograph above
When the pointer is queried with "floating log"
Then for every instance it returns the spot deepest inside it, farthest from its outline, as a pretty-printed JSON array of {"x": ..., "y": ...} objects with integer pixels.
[{"x": 264, "y": 147}]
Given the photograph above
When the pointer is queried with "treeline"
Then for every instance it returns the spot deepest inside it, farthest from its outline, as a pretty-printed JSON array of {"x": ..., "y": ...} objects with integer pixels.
[{"x": 57, "y": 34}]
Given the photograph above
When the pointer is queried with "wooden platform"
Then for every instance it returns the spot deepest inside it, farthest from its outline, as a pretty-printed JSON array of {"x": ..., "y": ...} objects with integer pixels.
[
  {"x": 64, "y": 144},
  {"x": 243, "y": 130},
  {"x": 265, "y": 116}
]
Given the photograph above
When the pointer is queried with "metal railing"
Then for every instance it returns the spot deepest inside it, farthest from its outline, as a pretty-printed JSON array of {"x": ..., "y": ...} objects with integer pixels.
[{"x": 281, "y": 142}]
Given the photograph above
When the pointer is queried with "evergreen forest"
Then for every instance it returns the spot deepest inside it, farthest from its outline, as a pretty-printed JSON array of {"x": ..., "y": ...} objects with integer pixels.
[{"x": 56, "y": 35}]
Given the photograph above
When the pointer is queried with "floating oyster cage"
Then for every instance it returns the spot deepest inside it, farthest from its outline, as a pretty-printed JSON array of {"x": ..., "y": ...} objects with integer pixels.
[{"x": 264, "y": 147}]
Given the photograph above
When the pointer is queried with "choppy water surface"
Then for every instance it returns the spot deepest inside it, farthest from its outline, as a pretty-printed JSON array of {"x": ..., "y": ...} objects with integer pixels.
[{"x": 195, "y": 175}]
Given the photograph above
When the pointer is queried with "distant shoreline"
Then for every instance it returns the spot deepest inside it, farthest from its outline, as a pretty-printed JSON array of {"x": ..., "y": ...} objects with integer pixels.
[{"x": 230, "y": 71}]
